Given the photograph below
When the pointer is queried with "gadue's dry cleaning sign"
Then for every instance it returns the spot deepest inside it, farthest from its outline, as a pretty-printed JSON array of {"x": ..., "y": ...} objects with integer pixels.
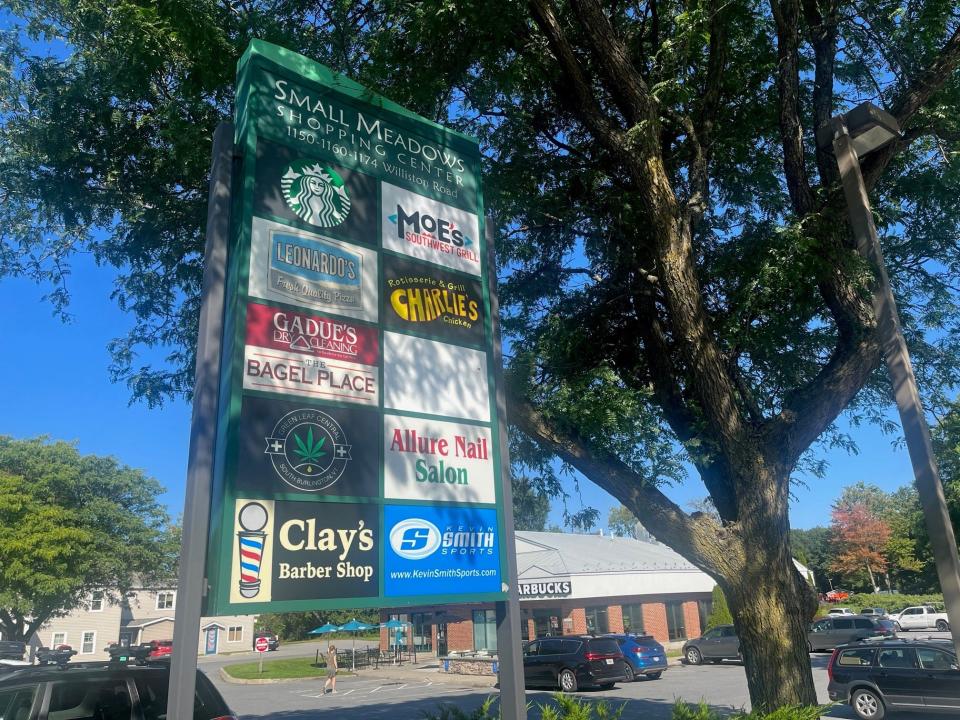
[{"x": 357, "y": 459}]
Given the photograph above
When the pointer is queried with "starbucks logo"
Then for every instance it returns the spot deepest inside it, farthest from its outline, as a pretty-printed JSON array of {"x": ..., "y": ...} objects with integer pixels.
[
  {"x": 308, "y": 449},
  {"x": 315, "y": 193}
]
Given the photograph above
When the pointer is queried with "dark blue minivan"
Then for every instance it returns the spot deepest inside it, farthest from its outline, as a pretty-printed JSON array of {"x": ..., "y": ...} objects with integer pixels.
[{"x": 642, "y": 655}]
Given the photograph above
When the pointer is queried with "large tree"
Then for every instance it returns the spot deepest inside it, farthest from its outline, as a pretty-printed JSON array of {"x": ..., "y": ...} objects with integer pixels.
[
  {"x": 677, "y": 263},
  {"x": 72, "y": 524}
]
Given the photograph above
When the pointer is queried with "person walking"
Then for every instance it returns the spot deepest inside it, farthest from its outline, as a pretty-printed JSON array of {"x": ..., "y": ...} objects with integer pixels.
[{"x": 331, "y": 670}]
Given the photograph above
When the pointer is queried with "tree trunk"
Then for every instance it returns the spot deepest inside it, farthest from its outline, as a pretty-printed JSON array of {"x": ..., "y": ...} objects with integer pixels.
[
  {"x": 873, "y": 582},
  {"x": 772, "y": 610}
]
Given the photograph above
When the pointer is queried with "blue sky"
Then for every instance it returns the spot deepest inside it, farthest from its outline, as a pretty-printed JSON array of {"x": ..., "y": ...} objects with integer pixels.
[{"x": 57, "y": 383}]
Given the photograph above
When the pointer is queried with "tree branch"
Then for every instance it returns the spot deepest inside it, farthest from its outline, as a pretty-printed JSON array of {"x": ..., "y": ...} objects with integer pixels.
[
  {"x": 821, "y": 16},
  {"x": 786, "y": 13},
  {"x": 701, "y": 540},
  {"x": 579, "y": 87},
  {"x": 624, "y": 84},
  {"x": 909, "y": 102}
]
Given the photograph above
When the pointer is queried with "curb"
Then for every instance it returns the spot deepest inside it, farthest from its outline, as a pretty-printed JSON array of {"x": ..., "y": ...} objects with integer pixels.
[{"x": 270, "y": 681}]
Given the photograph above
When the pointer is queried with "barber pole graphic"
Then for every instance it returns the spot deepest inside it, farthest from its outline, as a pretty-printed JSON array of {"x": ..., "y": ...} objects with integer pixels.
[{"x": 253, "y": 518}]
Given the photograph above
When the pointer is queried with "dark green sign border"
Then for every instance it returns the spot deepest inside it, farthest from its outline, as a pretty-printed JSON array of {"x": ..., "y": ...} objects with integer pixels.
[{"x": 262, "y": 57}]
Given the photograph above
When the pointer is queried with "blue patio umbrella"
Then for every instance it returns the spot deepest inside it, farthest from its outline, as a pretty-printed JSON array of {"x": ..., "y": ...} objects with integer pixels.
[
  {"x": 323, "y": 629},
  {"x": 355, "y": 626}
]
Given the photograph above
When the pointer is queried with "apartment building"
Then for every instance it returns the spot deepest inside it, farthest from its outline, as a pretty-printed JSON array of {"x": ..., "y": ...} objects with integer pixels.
[{"x": 145, "y": 614}]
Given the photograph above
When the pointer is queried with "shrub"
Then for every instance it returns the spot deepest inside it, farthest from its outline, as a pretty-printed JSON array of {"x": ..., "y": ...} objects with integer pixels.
[
  {"x": 702, "y": 711},
  {"x": 566, "y": 707},
  {"x": 719, "y": 612}
]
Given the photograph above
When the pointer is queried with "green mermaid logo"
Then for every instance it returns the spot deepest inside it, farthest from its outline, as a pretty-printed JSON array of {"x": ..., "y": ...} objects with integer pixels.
[{"x": 315, "y": 193}]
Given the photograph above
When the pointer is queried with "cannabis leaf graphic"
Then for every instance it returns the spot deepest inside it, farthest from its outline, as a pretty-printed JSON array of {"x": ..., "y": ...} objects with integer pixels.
[{"x": 309, "y": 452}]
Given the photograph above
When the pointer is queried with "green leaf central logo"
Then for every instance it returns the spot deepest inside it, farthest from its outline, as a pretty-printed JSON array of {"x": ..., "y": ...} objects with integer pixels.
[
  {"x": 308, "y": 449},
  {"x": 315, "y": 193}
]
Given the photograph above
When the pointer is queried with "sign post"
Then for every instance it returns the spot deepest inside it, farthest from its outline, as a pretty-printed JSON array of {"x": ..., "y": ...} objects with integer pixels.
[
  {"x": 260, "y": 645},
  {"x": 360, "y": 457}
]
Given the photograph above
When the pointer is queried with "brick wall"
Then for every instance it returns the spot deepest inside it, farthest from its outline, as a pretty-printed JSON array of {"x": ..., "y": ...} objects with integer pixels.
[
  {"x": 460, "y": 635},
  {"x": 531, "y": 629},
  {"x": 615, "y": 618},
  {"x": 655, "y": 621},
  {"x": 691, "y": 618},
  {"x": 579, "y": 618}
]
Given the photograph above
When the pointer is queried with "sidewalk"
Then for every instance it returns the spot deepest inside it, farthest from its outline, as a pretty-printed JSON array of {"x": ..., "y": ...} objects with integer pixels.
[{"x": 427, "y": 670}]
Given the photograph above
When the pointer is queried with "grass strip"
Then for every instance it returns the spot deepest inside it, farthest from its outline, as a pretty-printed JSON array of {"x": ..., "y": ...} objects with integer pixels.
[{"x": 279, "y": 669}]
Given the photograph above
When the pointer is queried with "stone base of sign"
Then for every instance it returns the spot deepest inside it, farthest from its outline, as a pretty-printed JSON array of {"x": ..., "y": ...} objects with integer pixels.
[{"x": 469, "y": 665}]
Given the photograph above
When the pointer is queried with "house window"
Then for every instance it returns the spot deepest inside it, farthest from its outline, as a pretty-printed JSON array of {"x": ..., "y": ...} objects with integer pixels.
[
  {"x": 86, "y": 645},
  {"x": 597, "y": 623},
  {"x": 676, "y": 625},
  {"x": 633, "y": 618},
  {"x": 235, "y": 633},
  {"x": 59, "y": 638},
  {"x": 485, "y": 630},
  {"x": 96, "y": 601},
  {"x": 165, "y": 600}
]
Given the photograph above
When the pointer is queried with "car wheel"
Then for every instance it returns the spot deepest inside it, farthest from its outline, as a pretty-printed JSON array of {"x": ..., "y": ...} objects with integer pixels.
[
  {"x": 654, "y": 676},
  {"x": 693, "y": 656},
  {"x": 628, "y": 672},
  {"x": 942, "y": 625},
  {"x": 567, "y": 681},
  {"x": 867, "y": 705},
  {"x": 896, "y": 626}
]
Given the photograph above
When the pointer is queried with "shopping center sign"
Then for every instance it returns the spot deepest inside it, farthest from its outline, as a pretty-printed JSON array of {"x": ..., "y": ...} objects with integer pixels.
[{"x": 357, "y": 459}]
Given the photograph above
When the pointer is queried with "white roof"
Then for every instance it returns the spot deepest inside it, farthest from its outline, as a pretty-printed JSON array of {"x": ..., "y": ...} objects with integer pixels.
[{"x": 570, "y": 554}]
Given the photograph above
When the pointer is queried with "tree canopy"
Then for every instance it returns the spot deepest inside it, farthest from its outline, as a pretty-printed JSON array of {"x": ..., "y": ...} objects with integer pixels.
[
  {"x": 71, "y": 524},
  {"x": 676, "y": 264}
]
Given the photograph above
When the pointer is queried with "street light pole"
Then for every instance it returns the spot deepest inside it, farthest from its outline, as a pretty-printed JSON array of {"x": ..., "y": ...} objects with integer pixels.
[{"x": 915, "y": 429}]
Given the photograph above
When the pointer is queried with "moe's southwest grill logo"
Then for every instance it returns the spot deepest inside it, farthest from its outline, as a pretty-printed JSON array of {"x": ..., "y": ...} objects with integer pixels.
[
  {"x": 316, "y": 194},
  {"x": 420, "y": 228},
  {"x": 306, "y": 269}
]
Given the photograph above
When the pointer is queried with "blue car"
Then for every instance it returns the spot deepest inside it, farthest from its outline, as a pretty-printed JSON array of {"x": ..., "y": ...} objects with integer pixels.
[{"x": 642, "y": 656}]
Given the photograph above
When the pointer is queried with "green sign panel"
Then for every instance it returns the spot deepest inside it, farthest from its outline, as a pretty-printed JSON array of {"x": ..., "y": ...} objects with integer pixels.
[{"x": 358, "y": 458}]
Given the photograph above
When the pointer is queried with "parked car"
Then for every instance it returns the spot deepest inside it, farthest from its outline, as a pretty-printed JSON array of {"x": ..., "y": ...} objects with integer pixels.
[
  {"x": 921, "y": 617},
  {"x": 12, "y": 653},
  {"x": 840, "y": 611},
  {"x": 642, "y": 656},
  {"x": 273, "y": 642},
  {"x": 830, "y": 632},
  {"x": 160, "y": 649},
  {"x": 873, "y": 612},
  {"x": 101, "y": 690},
  {"x": 572, "y": 662},
  {"x": 877, "y": 677},
  {"x": 717, "y": 644}
]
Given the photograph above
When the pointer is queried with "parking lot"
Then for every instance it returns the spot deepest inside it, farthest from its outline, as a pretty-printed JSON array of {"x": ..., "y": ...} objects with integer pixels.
[
  {"x": 371, "y": 695},
  {"x": 366, "y": 696}
]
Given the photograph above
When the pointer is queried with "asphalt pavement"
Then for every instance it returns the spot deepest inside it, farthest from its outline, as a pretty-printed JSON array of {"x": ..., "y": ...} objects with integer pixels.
[{"x": 410, "y": 692}]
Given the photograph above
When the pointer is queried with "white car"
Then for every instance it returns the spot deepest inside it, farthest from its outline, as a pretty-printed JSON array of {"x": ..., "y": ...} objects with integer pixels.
[
  {"x": 921, "y": 617},
  {"x": 840, "y": 611}
]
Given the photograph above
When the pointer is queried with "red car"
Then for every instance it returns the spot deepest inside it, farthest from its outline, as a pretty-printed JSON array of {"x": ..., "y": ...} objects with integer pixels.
[{"x": 160, "y": 648}]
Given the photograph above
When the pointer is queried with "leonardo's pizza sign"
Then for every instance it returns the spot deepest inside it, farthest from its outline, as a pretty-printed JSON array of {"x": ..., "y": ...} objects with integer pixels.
[{"x": 358, "y": 458}]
